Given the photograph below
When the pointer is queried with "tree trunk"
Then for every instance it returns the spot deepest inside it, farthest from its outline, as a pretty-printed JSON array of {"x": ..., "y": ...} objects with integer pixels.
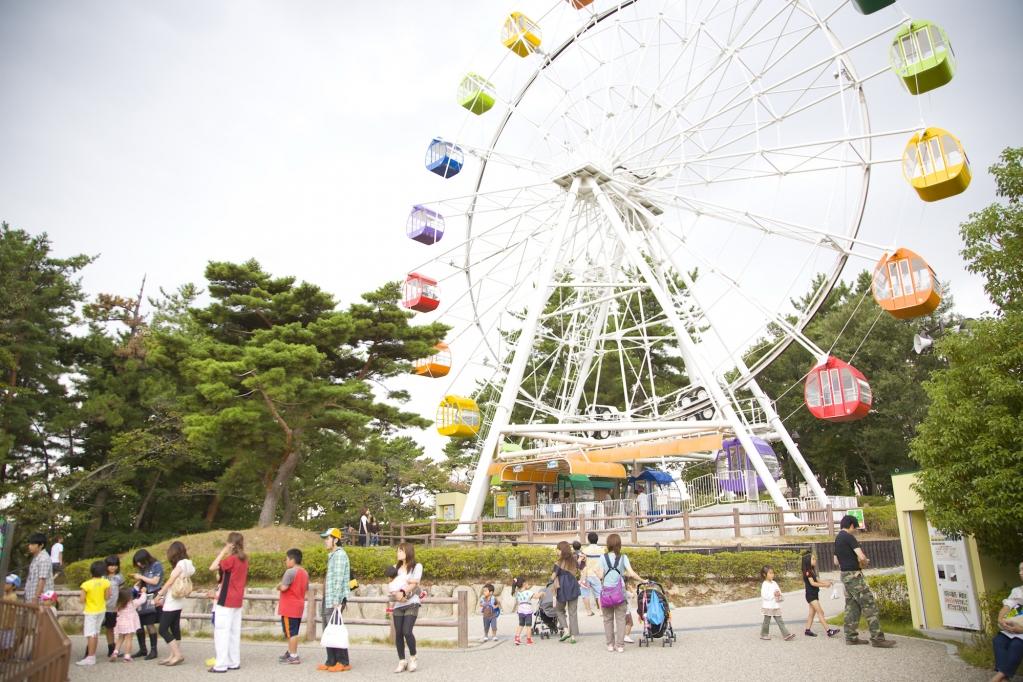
[
  {"x": 288, "y": 515},
  {"x": 145, "y": 503},
  {"x": 89, "y": 544},
  {"x": 212, "y": 510},
  {"x": 273, "y": 493}
]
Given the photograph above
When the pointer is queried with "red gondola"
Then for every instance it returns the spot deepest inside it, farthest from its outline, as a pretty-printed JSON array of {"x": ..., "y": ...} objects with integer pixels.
[
  {"x": 420, "y": 293},
  {"x": 835, "y": 391}
]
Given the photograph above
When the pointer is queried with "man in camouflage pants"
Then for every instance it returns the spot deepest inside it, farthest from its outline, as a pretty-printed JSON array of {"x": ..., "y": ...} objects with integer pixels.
[{"x": 858, "y": 597}]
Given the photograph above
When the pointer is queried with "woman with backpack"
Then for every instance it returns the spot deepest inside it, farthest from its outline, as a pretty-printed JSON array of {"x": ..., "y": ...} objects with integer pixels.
[
  {"x": 566, "y": 592},
  {"x": 614, "y": 566},
  {"x": 171, "y": 597}
]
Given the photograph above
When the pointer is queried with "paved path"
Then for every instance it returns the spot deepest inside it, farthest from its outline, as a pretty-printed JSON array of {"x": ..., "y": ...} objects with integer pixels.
[{"x": 715, "y": 642}]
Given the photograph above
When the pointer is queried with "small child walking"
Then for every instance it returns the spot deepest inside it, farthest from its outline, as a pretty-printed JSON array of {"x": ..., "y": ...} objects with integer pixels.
[
  {"x": 524, "y": 595},
  {"x": 127, "y": 622},
  {"x": 113, "y": 563},
  {"x": 94, "y": 604},
  {"x": 812, "y": 585},
  {"x": 491, "y": 609},
  {"x": 770, "y": 605}
]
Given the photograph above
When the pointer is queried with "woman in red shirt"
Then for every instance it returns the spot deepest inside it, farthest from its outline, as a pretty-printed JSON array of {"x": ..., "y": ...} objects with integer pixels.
[{"x": 233, "y": 565}]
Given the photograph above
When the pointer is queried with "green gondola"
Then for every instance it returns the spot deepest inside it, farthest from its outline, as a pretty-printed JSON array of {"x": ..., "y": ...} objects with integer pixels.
[
  {"x": 871, "y": 6},
  {"x": 476, "y": 93},
  {"x": 922, "y": 56}
]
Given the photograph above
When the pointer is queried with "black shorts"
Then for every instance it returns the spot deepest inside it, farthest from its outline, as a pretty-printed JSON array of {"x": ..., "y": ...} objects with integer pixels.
[
  {"x": 811, "y": 597},
  {"x": 290, "y": 626},
  {"x": 110, "y": 620},
  {"x": 525, "y": 619}
]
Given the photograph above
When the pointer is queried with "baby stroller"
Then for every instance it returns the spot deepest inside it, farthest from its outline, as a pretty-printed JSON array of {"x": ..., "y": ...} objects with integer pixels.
[
  {"x": 654, "y": 611},
  {"x": 545, "y": 620}
]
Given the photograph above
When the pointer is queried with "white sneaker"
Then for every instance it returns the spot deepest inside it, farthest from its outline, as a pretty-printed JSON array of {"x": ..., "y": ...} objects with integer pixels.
[
  {"x": 88, "y": 660},
  {"x": 620, "y": 650},
  {"x": 402, "y": 665},
  {"x": 484, "y": 639},
  {"x": 611, "y": 648},
  {"x": 629, "y": 640},
  {"x": 412, "y": 664}
]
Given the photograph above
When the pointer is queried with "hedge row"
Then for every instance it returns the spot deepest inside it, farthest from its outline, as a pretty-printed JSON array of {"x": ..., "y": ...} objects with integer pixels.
[
  {"x": 469, "y": 564},
  {"x": 881, "y": 519},
  {"x": 892, "y": 596}
]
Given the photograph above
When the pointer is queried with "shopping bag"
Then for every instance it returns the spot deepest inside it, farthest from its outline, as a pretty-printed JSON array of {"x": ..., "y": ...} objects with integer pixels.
[{"x": 335, "y": 634}]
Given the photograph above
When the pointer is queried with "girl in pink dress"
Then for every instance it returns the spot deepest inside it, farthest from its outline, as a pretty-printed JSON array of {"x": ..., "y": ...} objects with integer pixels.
[{"x": 127, "y": 622}]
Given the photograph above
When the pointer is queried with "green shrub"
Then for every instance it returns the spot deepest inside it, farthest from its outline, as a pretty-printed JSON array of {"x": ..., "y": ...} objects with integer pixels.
[
  {"x": 875, "y": 500},
  {"x": 892, "y": 596},
  {"x": 979, "y": 652},
  {"x": 881, "y": 520},
  {"x": 471, "y": 564}
]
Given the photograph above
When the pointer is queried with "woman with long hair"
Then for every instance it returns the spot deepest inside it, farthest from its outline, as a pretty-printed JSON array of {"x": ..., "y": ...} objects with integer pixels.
[
  {"x": 148, "y": 574},
  {"x": 614, "y": 566},
  {"x": 170, "y": 615},
  {"x": 406, "y": 607},
  {"x": 232, "y": 564},
  {"x": 566, "y": 591}
]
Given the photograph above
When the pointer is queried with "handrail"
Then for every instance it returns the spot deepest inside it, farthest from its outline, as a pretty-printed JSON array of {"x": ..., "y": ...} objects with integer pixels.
[
  {"x": 40, "y": 650},
  {"x": 767, "y": 518},
  {"x": 313, "y": 616}
]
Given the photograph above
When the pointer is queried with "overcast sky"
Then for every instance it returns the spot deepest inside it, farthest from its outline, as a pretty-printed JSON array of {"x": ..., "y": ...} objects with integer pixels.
[{"x": 162, "y": 135}]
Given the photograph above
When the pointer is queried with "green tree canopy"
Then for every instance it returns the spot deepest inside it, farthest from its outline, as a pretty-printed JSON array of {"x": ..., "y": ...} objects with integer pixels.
[{"x": 969, "y": 447}]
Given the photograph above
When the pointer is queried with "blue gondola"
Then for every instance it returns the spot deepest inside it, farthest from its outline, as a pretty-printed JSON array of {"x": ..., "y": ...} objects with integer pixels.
[
  {"x": 444, "y": 158},
  {"x": 424, "y": 226},
  {"x": 733, "y": 467}
]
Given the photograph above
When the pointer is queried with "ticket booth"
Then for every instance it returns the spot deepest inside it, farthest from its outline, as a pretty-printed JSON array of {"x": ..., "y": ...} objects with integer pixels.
[{"x": 946, "y": 575}]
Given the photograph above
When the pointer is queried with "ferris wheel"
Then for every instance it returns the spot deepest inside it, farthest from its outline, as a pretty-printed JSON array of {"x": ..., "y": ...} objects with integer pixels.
[{"x": 641, "y": 188}]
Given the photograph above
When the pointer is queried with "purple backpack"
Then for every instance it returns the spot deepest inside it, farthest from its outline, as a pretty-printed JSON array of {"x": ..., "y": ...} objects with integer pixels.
[{"x": 612, "y": 595}]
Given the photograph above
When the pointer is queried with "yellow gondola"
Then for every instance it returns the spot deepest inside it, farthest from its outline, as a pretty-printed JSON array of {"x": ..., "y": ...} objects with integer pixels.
[
  {"x": 458, "y": 417},
  {"x": 935, "y": 164},
  {"x": 520, "y": 34},
  {"x": 437, "y": 365}
]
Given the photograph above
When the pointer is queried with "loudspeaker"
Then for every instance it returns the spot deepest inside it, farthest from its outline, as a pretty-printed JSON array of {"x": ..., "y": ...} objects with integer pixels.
[{"x": 921, "y": 343}]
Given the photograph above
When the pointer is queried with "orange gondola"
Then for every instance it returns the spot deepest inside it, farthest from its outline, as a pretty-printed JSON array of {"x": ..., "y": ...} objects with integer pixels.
[
  {"x": 905, "y": 285},
  {"x": 437, "y": 365}
]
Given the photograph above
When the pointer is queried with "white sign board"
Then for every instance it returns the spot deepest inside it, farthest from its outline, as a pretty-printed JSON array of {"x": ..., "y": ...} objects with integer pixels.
[{"x": 955, "y": 581}]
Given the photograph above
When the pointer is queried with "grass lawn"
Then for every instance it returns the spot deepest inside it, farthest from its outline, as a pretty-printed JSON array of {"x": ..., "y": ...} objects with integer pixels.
[{"x": 894, "y": 627}]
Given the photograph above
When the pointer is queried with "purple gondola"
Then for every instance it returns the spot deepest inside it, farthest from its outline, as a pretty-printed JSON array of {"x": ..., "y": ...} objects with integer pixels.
[
  {"x": 732, "y": 462},
  {"x": 424, "y": 226}
]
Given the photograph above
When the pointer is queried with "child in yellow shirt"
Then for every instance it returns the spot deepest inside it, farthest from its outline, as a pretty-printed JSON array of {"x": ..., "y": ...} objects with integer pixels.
[{"x": 94, "y": 602}]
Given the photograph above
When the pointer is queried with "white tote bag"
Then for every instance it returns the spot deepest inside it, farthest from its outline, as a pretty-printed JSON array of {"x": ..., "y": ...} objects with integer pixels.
[{"x": 335, "y": 634}]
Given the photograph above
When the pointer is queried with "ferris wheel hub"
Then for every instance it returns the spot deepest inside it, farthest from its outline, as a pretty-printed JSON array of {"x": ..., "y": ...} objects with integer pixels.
[{"x": 586, "y": 171}]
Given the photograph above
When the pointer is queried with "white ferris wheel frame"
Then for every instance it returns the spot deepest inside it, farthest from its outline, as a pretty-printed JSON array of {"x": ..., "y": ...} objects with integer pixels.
[{"x": 610, "y": 193}]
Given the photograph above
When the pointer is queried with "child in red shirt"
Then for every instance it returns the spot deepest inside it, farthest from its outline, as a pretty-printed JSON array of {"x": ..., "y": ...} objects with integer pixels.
[{"x": 292, "y": 604}]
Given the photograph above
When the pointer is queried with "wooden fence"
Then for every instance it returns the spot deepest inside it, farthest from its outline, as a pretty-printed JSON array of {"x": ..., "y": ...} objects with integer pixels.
[
  {"x": 313, "y": 617},
  {"x": 525, "y": 531},
  {"x": 33, "y": 646}
]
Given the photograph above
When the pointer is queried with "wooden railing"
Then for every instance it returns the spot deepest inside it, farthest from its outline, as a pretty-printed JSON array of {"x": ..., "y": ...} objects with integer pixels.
[
  {"x": 33, "y": 646},
  {"x": 313, "y": 616},
  {"x": 631, "y": 526}
]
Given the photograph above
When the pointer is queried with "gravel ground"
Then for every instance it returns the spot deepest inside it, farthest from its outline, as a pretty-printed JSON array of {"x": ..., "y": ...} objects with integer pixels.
[
  {"x": 706, "y": 655},
  {"x": 714, "y": 642}
]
